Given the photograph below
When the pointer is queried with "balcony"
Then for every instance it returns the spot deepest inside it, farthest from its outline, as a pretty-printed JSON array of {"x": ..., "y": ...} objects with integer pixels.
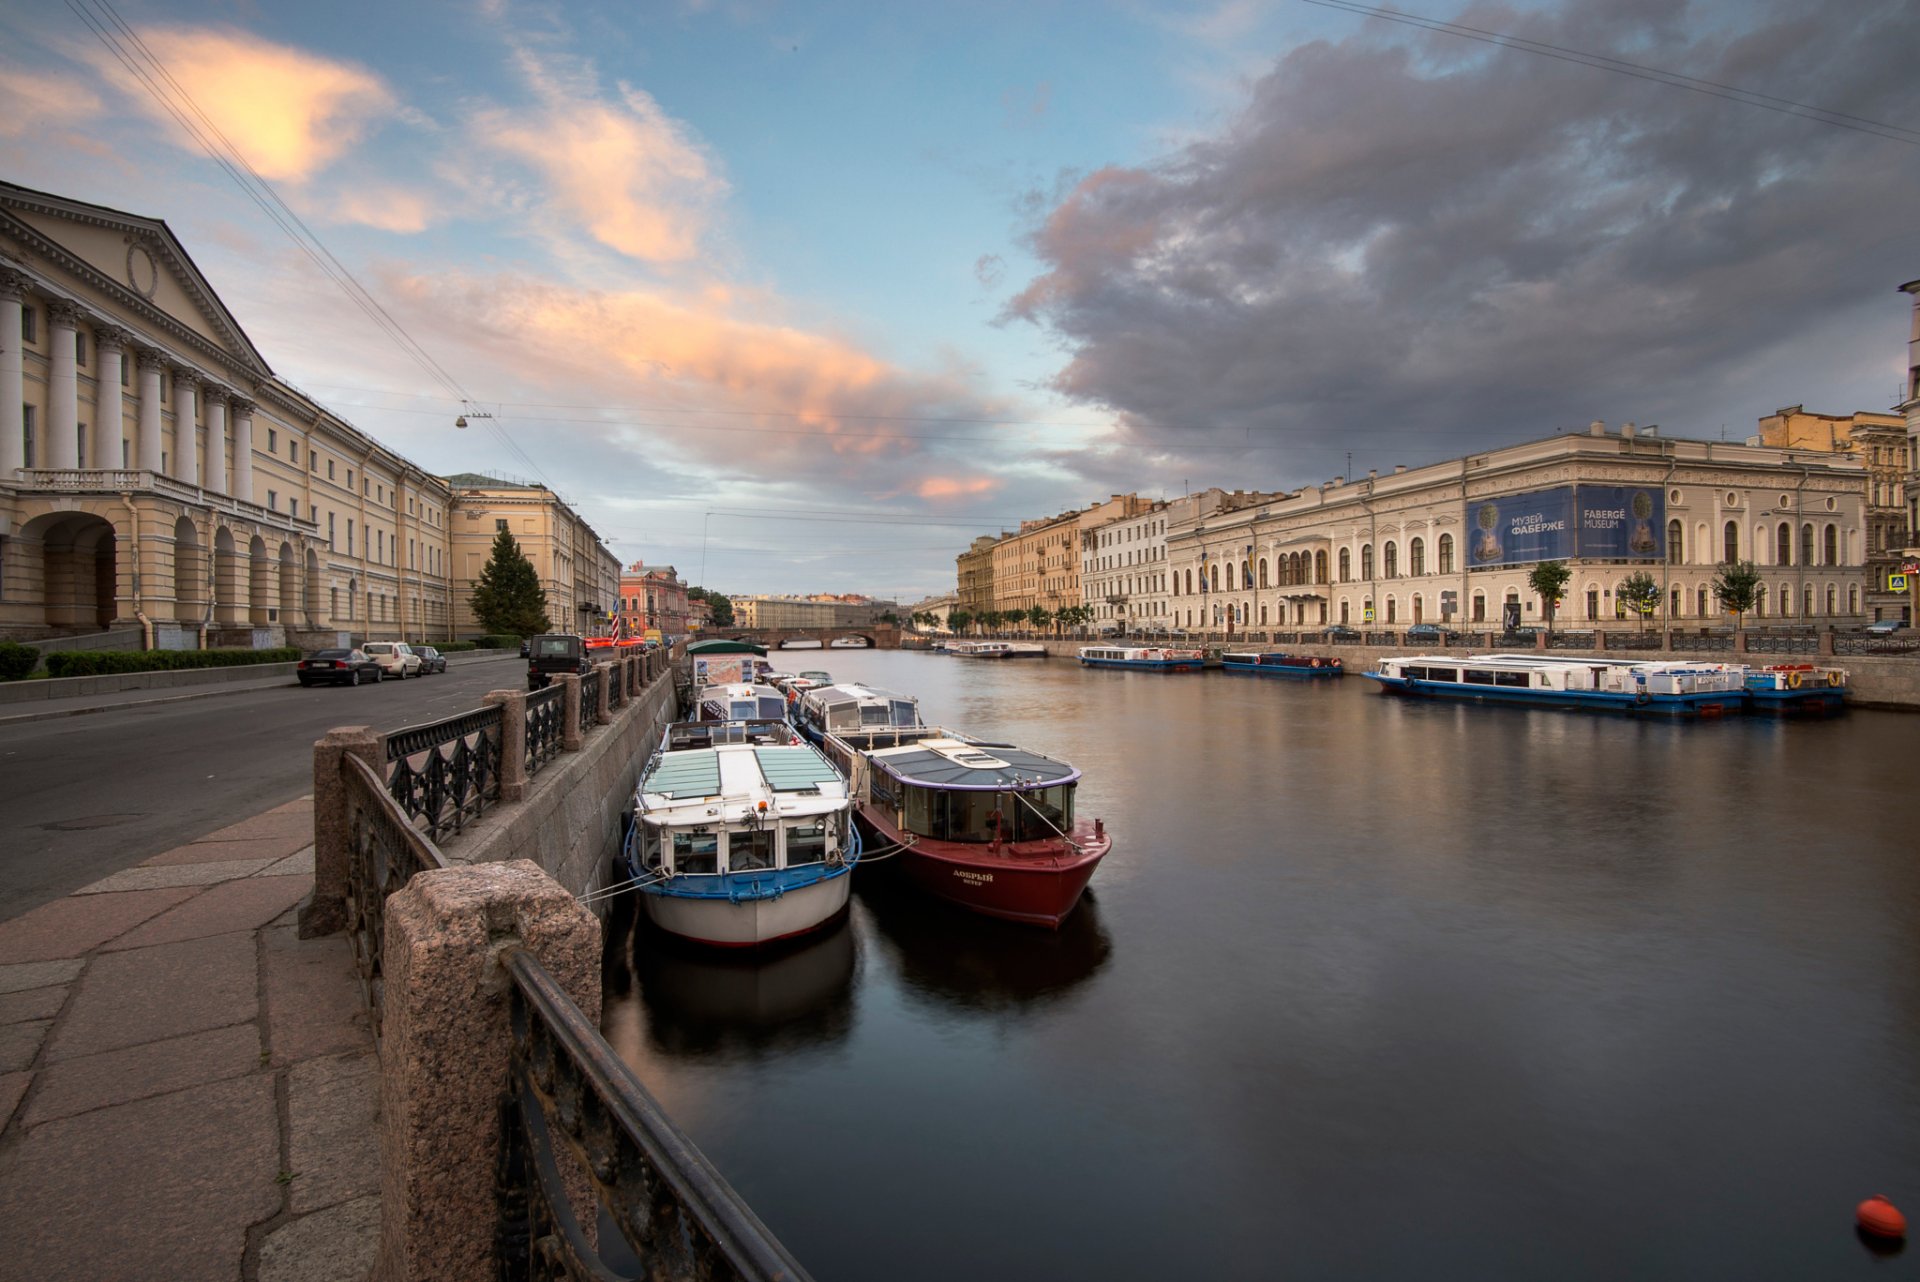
[{"x": 52, "y": 481}]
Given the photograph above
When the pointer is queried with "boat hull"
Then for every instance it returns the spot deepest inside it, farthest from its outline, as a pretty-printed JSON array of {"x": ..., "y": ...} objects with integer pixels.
[
  {"x": 1039, "y": 888},
  {"x": 749, "y": 922},
  {"x": 1305, "y": 670},
  {"x": 1714, "y": 703},
  {"x": 1147, "y": 665}
]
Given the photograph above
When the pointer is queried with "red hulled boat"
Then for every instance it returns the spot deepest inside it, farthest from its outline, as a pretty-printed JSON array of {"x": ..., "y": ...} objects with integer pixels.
[{"x": 987, "y": 826}]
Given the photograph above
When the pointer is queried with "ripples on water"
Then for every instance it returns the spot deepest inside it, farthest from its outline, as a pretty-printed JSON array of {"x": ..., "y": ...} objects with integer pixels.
[{"x": 1368, "y": 988}]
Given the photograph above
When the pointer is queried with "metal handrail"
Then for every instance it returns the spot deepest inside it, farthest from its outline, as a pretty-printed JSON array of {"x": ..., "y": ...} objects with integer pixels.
[
  {"x": 544, "y": 710},
  {"x": 570, "y": 1090},
  {"x": 444, "y": 773},
  {"x": 384, "y": 851}
]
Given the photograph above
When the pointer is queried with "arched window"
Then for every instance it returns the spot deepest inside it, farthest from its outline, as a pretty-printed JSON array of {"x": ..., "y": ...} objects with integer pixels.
[
  {"x": 1730, "y": 542},
  {"x": 1419, "y": 610},
  {"x": 1783, "y": 544},
  {"x": 1366, "y": 561},
  {"x": 1345, "y": 613},
  {"x": 1190, "y": 584},
  {"x": 1673, "y": 606},
  {"x": 1213, "y": 578},
  {"x": 1417, "y": 558},
  {"x": 1320, "y": 567},
  {"x": 1263, "y": 573},
  {"x": 1391, "y": 603},
  {"x": 1346, "y": 565},
  {"x": 1479, "y": 607},
  {"x": 1701, "y": 609},
  {"x": 1246, "y": 575},
  {"x": 1806, "y": 544},
  {"x": 1832, "y": 547},
  {"x": 1676, "y": 553},
  {"x": 1263, "y": 615},
  {"x": 1853, "y": 599},
  {"x": 1446, "y": 554},
  {"x": 1390, "y": 558}
]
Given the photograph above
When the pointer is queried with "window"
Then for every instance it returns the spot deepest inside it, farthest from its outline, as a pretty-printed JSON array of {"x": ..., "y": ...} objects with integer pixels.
[
  {"x": 1446, "y": 554},
  {"x": 273, "y": 496},
  {"x": 293, "y": 450},
  {"x": 313, "y": 460},
  {"x": 330, "y": 517},
  {"x": 329, "y": 469},
  {"x": 1832, "y": 541},
  {"x": 696, "y": 853},
  {"x": 1346, "y": 566},
  {"x": 349, "y": 536},
  {"x": 27, "y": 412},
  {"x": 293, "y": 507},
  {"x": 807, "y": 844},
  {"x": 1806, "y": 544},
  {"x": 273, "y": 440},
  {"x": 1366, "y": 561},
  {"x": 1730, "y": 542},
  {"x": 1390, "y": 559},
  {"x": 349, "y": 478},
  {"x": 1676, "y": 553},
  {"x": 80, "y": 348},
  {"x": 1417, "y": 557},
  {"x": 1783, "y": 545},
  {"x": 1701, "y": 603},
  {"x": 500, "y": 523},
  {"x": 29, "y": 325},
  {"x": 750, "y": 851}
]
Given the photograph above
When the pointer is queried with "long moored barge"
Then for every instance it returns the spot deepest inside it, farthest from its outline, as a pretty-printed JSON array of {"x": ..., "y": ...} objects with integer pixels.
[{"x": 1676, "y": 688}]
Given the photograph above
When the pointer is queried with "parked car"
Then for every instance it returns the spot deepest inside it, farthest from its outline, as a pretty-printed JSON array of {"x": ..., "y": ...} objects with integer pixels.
[
  {"x": 526, "y": 647},
  {"x": 1525, "y": 632},
  {"x": 431, "y": 660},
  {"x": 1886, "y": 627},
  {"x": 337, "y": 668},
  {"x": 396, "y": 658},
  {"x": 553, "y": 654},
  {"x": 1340, "y": 632},
  {"x": 1432, "y": 632}
]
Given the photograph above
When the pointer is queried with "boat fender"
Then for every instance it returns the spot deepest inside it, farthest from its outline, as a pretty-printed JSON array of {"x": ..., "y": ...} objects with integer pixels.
[
  {"x": 1793, "y": 680},
  {"x": 1833, "y": 679},
  {"x": 1881, "y": 1217}
]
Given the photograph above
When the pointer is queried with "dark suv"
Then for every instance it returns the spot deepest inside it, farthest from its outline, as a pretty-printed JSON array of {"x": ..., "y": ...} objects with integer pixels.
[
  {"x": 1340, "y": 632},
  {"x": 1432, "y": 632},
  {"x": 552, "y": 654}
]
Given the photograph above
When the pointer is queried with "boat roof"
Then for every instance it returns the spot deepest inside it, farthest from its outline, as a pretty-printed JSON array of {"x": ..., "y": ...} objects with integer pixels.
[
  {"x": 1535, "y": 663},
  {"x": 965, "y": 764},
  {"x": 854, "y": 692},
  {"x": 734, "y": 778},
  {"x": 720, "y": 646}
]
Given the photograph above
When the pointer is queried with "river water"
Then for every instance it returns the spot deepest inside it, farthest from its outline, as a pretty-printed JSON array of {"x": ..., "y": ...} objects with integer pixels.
[{"x": 1368, "y": 988}]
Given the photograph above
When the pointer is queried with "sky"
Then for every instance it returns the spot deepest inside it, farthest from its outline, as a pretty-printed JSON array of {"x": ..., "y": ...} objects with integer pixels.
[{"x": 806, "y": 297}]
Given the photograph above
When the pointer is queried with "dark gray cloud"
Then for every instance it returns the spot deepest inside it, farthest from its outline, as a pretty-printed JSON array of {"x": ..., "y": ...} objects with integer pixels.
[{"x": 1410, "y": 245}]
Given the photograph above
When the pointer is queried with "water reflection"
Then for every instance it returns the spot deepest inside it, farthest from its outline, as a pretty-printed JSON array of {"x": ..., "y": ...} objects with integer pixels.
[{"x": 964, "y": 961}]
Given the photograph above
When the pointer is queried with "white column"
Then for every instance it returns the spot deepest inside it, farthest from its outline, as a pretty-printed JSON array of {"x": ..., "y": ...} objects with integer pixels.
[
  {"x": 243, "y": 450},
  {"x": 63, "y": 386},
  {"x": 110, "y": 354},
  {"x": 186, "y": 432},
  {"x": 216, "y": 398},
  {"x": 147, "y": 455},
  {"x": 13, "y": 421}
]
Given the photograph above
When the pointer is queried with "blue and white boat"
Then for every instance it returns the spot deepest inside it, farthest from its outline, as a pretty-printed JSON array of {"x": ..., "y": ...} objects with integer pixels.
[
  {"x": 836, "y": 709},
  {"x": 743, "y": 834},
  {"x": 1671, "y": 688},
  {"x": 739, "y": 701},
  {"x": 1143, "y": 658},
  {"x": 1797, "y": 689},
  {"x": 1273, "y": 663}
]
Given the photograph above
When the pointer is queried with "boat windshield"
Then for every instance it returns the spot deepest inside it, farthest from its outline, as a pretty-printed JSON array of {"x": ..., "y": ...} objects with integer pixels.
[{"x": 1034, "y": 815}]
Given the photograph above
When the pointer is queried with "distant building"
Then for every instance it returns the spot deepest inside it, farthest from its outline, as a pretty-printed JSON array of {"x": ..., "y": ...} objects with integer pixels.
[
  {"x": 1880, "y": 442},
  {"x": 653, "y": 596},
  {"x": 580, "y": 575},
  {"x": 810, "y": 612},
  {"x": 938, "y": 608},
  {"x": 974, "y": 570}
]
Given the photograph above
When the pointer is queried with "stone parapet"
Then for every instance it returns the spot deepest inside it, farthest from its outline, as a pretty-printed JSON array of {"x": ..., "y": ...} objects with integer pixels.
[{"x": 326, "y": 909}]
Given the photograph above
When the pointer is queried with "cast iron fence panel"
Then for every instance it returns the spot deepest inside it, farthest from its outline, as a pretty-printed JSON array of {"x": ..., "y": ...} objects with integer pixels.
[
  {"x": 384, "y": 851},
  {"x": 1633, "y": 640},
  {"x": 444, "y": 773},
  {"x": 1712, "y": 641},
  {"x": 590, "y": 700},
  {"x": 571, "y": 1093},
  {"x": 616, "y": 684},
  {"x": 544, "y": 711},
  {"x": 1865, "y": 643},
  {"x": 1783, "y": 643},
  {"x": 1570, "y": 641},
  {"x": 1378, "y": 638}
]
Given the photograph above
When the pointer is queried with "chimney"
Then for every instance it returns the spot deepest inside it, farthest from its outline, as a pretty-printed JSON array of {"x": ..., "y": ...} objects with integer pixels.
[
  {"x": 1627, "y": 430},
  {"x": 1399, "y": 468},
  {"x": 1372, "y": 472},
  {"x": 1338, "y": 480},
  {"x": 1596, "y": 428}
]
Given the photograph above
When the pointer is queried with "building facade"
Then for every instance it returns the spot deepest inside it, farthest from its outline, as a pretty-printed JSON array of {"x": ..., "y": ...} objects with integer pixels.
[
  {"x": 580, "y": 576},
  {"x": 974, "y": 574},
  {"x": 653, "y": 596},
  {"x": 1455, "y": 541},
  {"x": 1038, "y": 566},
  {"x": 810, "y": 612},
  {"x": 1880, "y": 442}
]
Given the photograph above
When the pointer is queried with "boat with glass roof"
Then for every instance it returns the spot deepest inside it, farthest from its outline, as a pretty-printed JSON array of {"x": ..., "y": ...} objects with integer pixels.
[
  {"x": 1142, "y": 657},
  {"x": 986, "y": 826},
  {"x": 739, "y": 701},
  {"x": 743, "y": 834},
  {"x": 825, "y": 710}
]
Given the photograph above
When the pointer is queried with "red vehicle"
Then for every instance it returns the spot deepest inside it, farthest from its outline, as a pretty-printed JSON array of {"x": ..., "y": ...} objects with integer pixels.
[{"x": 986, "y": 826}]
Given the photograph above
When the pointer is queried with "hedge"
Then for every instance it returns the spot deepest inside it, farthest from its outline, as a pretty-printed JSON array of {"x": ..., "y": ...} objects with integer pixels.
[
  {"x": 93, "y": 663},
  {"x": 16, "y": 661},
  {"x": 498, "y": 641},
  {"x": 454, "y": 647}
]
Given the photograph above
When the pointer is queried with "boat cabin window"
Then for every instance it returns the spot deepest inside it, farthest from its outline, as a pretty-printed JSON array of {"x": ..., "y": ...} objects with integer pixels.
[
  {"x": 696, "y": 852},
  {"x": 649, "y": 846},
  {"x": 742, "y": 709},
  {"x": 873, "y": 714},
  {"x": 772, "y": 709},
  {"x": 1521, "y": 679},
  {"x": 806, "y": 844},
  {"x": 904, "y": 713},
  {"x": 969, "y": 816},
  {"x": 1477, "y": 678},
  {"x": 750, "y": 851},
  {"x": 1042, "y": 813}
]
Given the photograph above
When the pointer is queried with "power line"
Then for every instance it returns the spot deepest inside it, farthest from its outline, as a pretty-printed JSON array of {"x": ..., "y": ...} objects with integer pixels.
[{"x": 1602, "y": 62}]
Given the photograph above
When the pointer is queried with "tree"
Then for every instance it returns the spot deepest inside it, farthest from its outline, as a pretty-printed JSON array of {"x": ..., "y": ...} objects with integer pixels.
[
  {"x": 1548, "y": 580},
  {"x": 1736, "y": 584},
  {"x": 719, "y": 607},
  {"x": 1039, "y": 617},
  {"x": 887, "y": 616},
  {"x": 960, "y": 621},
  {"x": 1639, "y": 593},
  {"x": 507, "y": 598}
]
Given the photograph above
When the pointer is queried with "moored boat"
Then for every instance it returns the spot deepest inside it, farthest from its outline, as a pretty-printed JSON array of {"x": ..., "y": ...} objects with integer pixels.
[
  {"x": 1675, "y": 688},
  {"x": 1143, "y": 658},
  {"x": 801, "y": 643},
  {"x": 986, "y": 826},
  {"x": 825, "y": 710},
  {"x": 743, "y": 835},
  {"x": 1276, "y": 664},
  {"x": 849, "y": 643},
  {"x": 1799, "y": 688},
  {"x": 739, "y": 701},
  {"x": 998, "y": 649}
]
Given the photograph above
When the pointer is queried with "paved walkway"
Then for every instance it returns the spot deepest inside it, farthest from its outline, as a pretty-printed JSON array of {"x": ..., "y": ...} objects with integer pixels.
[{"x": 187, "y": 1089}]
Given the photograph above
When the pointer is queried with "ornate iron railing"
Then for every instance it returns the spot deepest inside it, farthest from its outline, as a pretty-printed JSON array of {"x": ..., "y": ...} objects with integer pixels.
[
  {"x": 384, "y": 851},
  {"x": 570, "y": 1093},
  {"x": 445, "y": 773},
  {"x": 1570, "y": 641},
  {"x": 590, "y": 699},
  {"x": 545, "y": 708},
  {"x": 1866, "y": 643},
  {"x": 1712, "y": 641},
  {"x": 1783, "y": 643},
  {"x": 1633, "y": 641},
  {"x": 617, "y": 693}
]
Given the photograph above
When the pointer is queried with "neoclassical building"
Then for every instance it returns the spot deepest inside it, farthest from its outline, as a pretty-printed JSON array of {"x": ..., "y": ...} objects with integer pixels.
[
  {"x": 156, "y": 473},
  {"x": 1457, "y": 540}
]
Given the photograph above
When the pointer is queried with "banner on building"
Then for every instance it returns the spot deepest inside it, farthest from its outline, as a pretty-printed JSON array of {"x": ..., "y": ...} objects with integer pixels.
[{"x": 1602, "y": 522}]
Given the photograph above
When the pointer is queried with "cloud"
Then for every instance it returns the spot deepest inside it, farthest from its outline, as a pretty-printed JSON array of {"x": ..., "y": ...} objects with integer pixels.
[
  {"x": 31, "y": 102},
  {"x": 949, "y": 487},
  {"x": 621, "y": 167},
  {"x": 394, "y": 209},
  {"x": 1424, "y": 244},
  {"x": 289, "y": 112}
]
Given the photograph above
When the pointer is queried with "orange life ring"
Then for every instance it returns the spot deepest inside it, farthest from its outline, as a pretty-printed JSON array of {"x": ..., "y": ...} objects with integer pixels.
[
  {"x": 1833, "y": 679},
  {"x": 1316, "y": 663},
  {"x": 1793, "y": 680}
]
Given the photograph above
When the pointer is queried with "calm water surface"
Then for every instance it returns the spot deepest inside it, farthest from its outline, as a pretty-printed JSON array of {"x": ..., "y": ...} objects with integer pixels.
[{"x": 1366, "y": 989}]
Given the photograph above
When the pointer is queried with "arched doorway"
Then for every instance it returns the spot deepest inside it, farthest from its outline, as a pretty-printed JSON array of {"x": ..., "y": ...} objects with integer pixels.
[
  {"x": 230, "y": 580},
  {"x": 189, "y": 573},
  {"x": 261, "y": 593},
  {"x": 77, "y": 569}
]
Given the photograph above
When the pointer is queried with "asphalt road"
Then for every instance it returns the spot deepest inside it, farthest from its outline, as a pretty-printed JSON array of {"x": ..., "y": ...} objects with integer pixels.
[{"x": 83, "y": 797}]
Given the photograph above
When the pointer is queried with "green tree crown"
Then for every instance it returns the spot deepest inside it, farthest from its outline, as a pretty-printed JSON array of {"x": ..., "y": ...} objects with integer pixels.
[{"x": 507, "y": 598}]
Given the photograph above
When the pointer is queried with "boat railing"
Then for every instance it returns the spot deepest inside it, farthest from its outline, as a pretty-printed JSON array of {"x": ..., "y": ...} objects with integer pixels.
[{"x": 706, "y": 734}]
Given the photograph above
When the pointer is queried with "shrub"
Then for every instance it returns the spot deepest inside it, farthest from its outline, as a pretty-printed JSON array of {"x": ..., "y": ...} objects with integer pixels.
[
  {"x": 454, "y": 647},
  {"x": 93, "y": 663},
  {"x": 499, "y": 641},
  {"x": 16, "y": 661}
]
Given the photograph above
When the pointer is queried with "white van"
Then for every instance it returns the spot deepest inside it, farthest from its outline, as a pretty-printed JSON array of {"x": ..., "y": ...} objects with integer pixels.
[{"x": 396, "y": 658}]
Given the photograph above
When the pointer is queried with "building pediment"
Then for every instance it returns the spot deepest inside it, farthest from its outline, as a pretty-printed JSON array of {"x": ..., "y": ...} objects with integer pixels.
[{"x": 133, "y": 268}]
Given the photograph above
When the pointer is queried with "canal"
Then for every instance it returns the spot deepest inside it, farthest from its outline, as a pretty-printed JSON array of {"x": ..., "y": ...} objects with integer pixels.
[{"x": 1367, "y": 989}]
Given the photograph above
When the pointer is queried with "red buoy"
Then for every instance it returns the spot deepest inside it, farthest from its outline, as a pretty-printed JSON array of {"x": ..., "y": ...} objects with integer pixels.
[{"x": 1881, "y": 1218}]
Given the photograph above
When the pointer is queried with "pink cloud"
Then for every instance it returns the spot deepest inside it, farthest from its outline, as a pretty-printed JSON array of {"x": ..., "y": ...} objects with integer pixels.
[
  {"x": 34, "y": 101},
  {"x": 954, "y": 487}
]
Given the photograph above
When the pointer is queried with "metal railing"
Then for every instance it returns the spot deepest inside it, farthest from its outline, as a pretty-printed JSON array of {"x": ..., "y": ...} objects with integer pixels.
[
  {"x": 1783, "y": 643},
  {"x": 1867, "y": 643},
  {"x": 1633, "y": 641},
  {"x": 590, "y": 698},
  {"x": 444, "y": 773},
  {"x": 384, "y": 851},
  {"x": 1721, "y": 642},
  {"x": 544, "y": 711},
  {"x": 570, "y": 1093},
  {"x": 1570, "y": 641}
]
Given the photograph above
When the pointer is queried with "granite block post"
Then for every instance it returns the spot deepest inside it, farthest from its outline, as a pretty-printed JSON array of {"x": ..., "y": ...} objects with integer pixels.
[
  {"x": 603, "y": 713},
  {"x": 444, "y": 1060},
  {"x": 569, "y": 712},
  {"x": 513, "y": 743},
  {"x": 326, "y": 909},
  {"x": 1600, "y": 640},
  {"x": 1826, "y": 643}
]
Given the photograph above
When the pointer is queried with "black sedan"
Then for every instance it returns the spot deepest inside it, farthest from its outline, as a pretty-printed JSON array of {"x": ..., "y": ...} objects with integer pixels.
[
  {"x": 338, "y": 667},
  {"x": 431, "y": 660},
  {"x": 1433, "y": 632}
]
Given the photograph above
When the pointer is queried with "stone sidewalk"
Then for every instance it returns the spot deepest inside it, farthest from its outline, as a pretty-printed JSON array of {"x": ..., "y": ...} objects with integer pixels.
[{"x": 187, "y": 1089}]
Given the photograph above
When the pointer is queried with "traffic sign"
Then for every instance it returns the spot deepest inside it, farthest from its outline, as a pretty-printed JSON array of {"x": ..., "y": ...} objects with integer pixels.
[{"x": 1896, "y": 583}]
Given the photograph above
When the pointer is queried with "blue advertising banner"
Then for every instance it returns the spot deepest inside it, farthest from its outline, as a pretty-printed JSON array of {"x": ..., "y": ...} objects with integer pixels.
[
  {"x": 1622, "y": 522},
  {"x": 1536, "y": 525}
]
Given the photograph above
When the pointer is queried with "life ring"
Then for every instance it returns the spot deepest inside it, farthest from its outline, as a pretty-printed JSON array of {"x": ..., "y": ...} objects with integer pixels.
[
  {"x": 1793, "y": 680},
  {"x": 1316, "y": 663},
  {"x": 1833, "y": 679},
  {"x": 1640, "y": 696}
]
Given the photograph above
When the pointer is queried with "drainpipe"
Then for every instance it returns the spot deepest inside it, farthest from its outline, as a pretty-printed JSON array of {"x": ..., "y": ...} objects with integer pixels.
[{"x": 146, "y": 624}]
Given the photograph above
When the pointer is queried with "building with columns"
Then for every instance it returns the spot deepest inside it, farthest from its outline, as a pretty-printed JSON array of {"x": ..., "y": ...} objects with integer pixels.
[
  {"x": 1879, "y": 441},
  {"x": 653, "y": 596},
  {"x": 156, "y": 474}
]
